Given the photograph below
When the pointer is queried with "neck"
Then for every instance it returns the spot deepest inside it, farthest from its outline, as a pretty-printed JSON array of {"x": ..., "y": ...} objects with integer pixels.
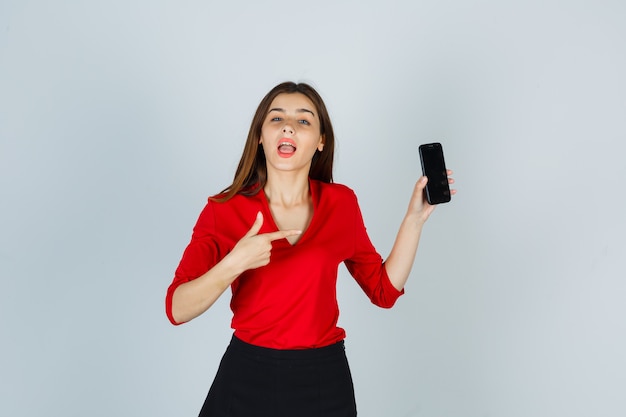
[{"x": 287, "y": 190}]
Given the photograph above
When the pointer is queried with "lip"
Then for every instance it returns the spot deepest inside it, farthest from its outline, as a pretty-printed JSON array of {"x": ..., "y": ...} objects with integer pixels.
[
  {"x": 287, "y": 140},
  {"x": 284, "y": 154}
]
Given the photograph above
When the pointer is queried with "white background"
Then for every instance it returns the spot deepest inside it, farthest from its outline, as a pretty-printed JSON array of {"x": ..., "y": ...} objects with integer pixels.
[{"x": 119, "y": 118}]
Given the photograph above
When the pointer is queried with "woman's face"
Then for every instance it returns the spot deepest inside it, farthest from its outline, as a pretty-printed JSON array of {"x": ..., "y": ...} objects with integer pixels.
[{"x": 290, "y": 134}]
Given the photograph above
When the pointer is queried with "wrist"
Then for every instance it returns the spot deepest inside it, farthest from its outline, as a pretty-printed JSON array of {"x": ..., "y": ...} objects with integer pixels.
[
  {"x": 231, "y": 268},
  {"x": 416, "y": 220}
]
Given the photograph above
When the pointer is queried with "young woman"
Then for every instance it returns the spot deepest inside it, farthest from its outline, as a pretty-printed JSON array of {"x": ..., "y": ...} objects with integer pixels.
[{"x": 276, "y": 237}]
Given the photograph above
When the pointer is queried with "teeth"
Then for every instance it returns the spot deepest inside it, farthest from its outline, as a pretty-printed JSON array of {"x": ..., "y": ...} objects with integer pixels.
[{"x": 286, "y": 144}]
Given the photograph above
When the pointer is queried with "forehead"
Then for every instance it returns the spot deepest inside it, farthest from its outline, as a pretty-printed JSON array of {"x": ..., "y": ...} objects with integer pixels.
[{"x": 293, "y": 102}]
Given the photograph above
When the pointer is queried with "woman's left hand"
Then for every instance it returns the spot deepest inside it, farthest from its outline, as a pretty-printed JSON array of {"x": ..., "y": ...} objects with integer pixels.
[
  {"x": 400, "y": 260},
  {"x": 418, "y": 205}
]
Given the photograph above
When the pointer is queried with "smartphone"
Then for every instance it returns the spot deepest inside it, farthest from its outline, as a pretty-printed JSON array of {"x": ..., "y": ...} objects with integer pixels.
[{"x": 434, "y": 167}]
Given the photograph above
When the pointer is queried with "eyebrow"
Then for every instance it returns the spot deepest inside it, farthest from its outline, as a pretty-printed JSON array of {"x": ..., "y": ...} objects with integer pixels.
[{"x": 297, "y": 110}]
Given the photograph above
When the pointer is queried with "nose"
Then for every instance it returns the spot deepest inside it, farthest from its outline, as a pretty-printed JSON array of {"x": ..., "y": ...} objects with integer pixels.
[{"x": 288, "y": 129}]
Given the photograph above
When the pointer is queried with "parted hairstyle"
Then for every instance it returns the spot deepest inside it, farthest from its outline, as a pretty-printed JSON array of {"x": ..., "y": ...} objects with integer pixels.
[{"x": 251, "y": 174}]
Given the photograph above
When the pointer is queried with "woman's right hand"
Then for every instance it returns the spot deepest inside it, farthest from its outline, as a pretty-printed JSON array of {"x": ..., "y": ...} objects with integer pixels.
[{"x": 254, "y": 250}]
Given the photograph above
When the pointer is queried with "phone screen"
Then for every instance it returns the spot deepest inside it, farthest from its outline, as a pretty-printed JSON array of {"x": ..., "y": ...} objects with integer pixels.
[{"x": 434, "y": 167}]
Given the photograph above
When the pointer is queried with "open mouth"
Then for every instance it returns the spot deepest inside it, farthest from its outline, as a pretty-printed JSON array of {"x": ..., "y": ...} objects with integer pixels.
[{"x": 286, "y": 148}]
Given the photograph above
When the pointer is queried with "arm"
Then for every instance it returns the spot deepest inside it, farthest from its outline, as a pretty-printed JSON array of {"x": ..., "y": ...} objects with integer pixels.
[
  {"x": 400, "y": 260},
  {"x": 193, "y": 298}
]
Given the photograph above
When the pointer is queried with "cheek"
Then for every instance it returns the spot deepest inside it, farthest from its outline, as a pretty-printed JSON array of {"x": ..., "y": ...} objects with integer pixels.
[{"x": 266, "y": 132}]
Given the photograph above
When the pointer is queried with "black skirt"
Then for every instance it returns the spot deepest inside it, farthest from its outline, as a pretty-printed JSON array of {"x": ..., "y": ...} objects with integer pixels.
[{"x": 253, "y": 381}]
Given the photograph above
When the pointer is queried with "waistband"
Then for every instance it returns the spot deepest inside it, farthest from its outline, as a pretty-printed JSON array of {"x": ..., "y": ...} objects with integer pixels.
[{"x": 314, "y": 353}]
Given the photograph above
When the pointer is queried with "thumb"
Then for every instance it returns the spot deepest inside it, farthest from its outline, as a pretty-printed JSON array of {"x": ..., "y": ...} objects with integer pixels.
[
  {"x": 420, "y": 185},
  {"x": 256, "y": 226}
]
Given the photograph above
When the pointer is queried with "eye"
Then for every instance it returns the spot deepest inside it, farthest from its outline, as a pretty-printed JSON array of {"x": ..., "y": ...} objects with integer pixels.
[
  {"x": 276, "y": 119},
  {"x": 304, "y": 122}
]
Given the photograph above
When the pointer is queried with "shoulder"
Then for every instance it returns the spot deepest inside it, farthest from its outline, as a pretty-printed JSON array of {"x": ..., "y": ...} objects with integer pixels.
[
  {"x": 238, "y": 200},
  {"x": 238, "y": 204},
  {"x": 332, "y": 187},
  {"x": 333, "y": 191}
]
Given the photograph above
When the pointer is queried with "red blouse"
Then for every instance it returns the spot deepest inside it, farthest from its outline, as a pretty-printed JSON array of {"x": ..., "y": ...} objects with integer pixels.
[{"x": 291, "y": 303}]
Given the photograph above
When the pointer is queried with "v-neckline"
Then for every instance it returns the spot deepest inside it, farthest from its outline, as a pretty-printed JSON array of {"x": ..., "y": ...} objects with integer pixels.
[{"x": 270, "y": 215}]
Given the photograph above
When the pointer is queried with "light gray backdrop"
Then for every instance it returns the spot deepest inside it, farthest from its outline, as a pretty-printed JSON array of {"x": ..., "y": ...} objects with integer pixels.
[{"x": 119, "y": 118}]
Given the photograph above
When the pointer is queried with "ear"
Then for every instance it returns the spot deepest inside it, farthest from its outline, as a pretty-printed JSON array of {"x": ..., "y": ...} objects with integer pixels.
[{"x": 320, "y": 146}]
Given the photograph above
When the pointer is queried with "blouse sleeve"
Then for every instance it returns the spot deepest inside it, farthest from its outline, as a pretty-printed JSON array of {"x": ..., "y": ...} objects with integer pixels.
[
  {"x": 368, "y": 268},
  {"x": 201, "y": 254}
]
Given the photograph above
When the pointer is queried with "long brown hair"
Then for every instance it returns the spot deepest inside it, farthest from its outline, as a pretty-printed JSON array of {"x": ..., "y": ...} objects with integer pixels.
[{"x": 251, "y": 174}]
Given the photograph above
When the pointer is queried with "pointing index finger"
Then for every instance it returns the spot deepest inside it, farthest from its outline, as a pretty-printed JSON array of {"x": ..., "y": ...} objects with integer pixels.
[{"x": 281, "y": 234}]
